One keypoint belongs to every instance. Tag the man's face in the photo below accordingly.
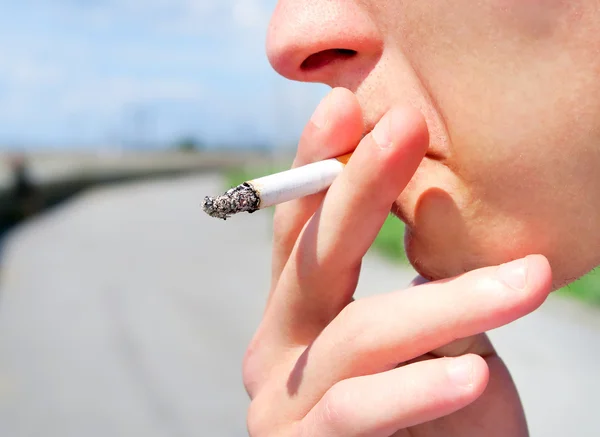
(511, 93)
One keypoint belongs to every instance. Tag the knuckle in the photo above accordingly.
(252, 368)
(263, 421)
(350, 313)
(351, 323)
(281, 220)
(282, 227)
(475, 288)
(256, 423)
(338, 408)
(361, 336)
(488, 284)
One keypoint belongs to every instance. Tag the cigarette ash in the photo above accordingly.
(242, 198)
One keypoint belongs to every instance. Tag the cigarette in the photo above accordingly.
(277, 188)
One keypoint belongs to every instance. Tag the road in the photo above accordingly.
(126, 312)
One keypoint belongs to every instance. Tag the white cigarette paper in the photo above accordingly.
(297, 182)
(277, 188)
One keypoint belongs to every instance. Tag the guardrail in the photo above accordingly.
(30, 183)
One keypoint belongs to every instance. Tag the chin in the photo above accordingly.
(442, 251)
(427, 262)
(448, 234)
(437, 240)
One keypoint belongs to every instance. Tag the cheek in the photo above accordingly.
(534, 19)
(523, 121)
(506, 203)
(522, 202)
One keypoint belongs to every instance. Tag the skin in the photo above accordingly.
(478, 124)
(510, 91)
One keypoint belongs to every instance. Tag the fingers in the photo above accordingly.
(335, 129)
(375, 334)
(321, 274)
(379, 405)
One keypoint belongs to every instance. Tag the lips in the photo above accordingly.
(432, 153)
(431, 165)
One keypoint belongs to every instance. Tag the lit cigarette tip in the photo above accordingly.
(276, 188)
(242, 198)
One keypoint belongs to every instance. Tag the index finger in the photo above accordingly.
(335, 129)
(321, 274)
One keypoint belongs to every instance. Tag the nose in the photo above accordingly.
(318, 40)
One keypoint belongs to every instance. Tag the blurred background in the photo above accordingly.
(126, 311)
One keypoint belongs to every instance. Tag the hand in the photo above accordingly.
(323, 365)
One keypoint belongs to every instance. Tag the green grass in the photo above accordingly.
(586, 289)
(390, 242)
(236, 176)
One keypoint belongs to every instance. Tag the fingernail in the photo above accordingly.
(321, 115)
(381, 133)
(460, 371)
(514, 274)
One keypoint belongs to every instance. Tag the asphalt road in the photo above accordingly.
(126, 312)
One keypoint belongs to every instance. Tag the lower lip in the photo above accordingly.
(432, 158)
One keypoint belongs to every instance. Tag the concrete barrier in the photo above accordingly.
(35, 181)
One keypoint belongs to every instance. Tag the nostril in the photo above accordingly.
(326, 57)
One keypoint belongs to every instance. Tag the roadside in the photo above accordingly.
(126, 311)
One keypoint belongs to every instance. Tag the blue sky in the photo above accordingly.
(114, 73)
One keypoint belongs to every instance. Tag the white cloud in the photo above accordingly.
(109, 95)
(26, 71)
(250, 14)
(193, 17)
(207, 54)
